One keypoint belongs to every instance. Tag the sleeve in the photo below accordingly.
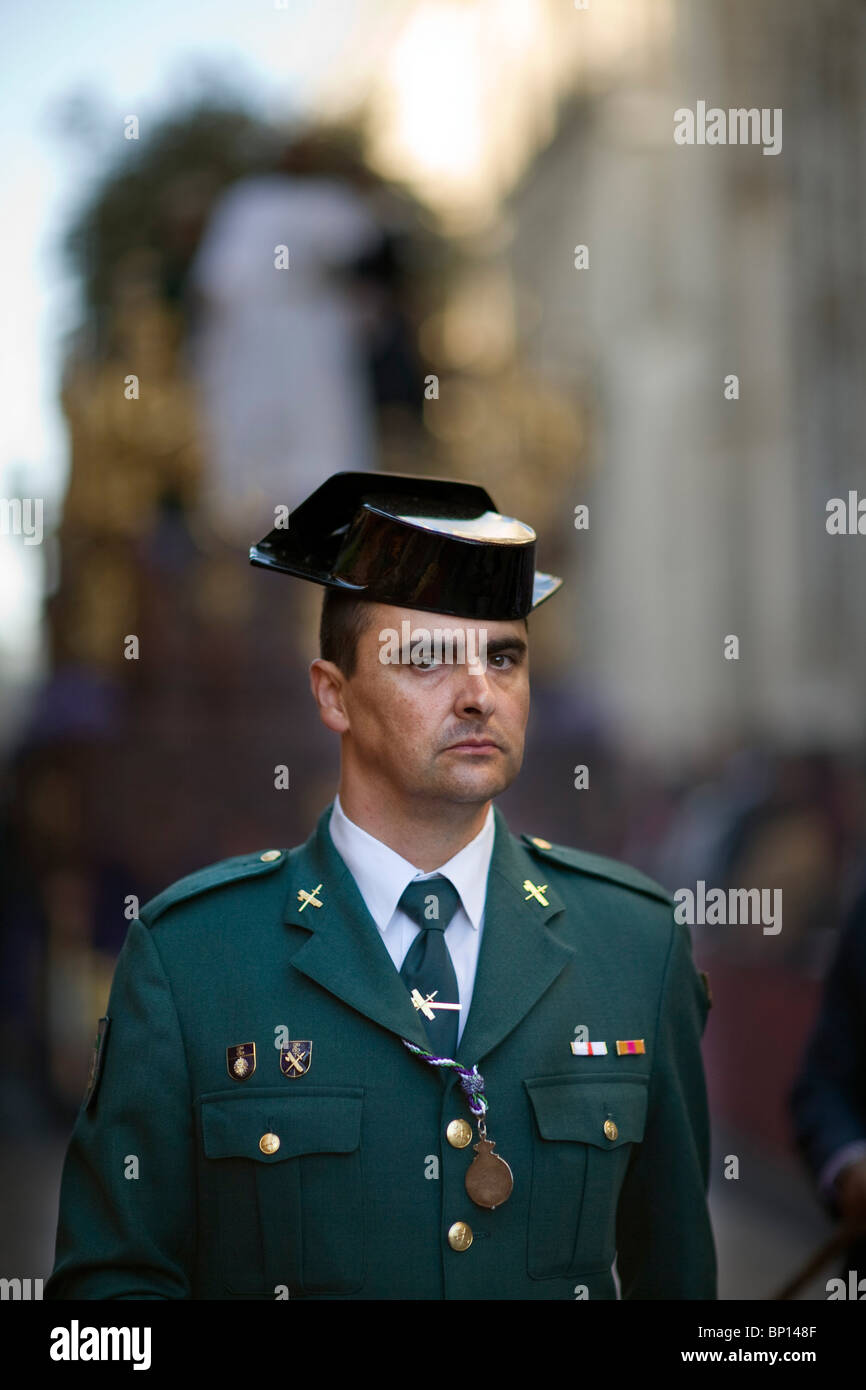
(665, 1246)
(828, 1099)
(126, 1226)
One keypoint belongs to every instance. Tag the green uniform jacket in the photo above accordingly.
(167, 1192)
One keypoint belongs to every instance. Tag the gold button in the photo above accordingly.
(541, 844)
(270, 855)
(610, 1129)
(269, 1143)
(460, 1236)
(459, 1134)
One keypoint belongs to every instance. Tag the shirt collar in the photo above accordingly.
(382, 874)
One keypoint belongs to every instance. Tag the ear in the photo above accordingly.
(327, 683)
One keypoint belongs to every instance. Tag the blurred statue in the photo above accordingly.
(278, 347)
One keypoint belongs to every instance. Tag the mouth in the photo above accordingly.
(474, 745)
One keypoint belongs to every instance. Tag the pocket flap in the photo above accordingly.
(579, 1109)
(318, 1121)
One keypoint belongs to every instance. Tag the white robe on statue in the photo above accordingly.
(277, 354)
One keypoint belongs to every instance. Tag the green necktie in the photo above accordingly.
(432, 902)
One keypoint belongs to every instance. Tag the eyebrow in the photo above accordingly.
(505, 644)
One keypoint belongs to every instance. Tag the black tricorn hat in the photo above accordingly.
(413, 542)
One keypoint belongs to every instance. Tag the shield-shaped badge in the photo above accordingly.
(295, 1059)
(241, 1061)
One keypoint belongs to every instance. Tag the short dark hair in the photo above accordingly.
(345, 618)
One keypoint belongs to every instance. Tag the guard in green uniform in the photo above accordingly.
(415, 1057)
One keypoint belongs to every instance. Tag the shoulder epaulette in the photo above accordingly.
(597, 865)
(213, 876)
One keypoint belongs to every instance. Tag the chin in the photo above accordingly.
(481, 788)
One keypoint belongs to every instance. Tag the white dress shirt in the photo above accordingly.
(382, 875)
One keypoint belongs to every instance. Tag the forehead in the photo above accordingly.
(384, 615)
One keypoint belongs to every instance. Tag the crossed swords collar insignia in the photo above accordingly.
(311, 898)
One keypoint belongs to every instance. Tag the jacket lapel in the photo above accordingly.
(345, 952)
(519, 958)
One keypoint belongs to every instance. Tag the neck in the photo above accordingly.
(422, 830)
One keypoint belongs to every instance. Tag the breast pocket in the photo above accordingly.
(584, 1131)
(282, 1178)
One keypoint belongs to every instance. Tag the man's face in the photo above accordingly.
(449, 730)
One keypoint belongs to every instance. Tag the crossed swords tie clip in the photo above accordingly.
(429, 1003)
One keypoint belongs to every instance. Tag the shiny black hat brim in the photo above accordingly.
(544, 585)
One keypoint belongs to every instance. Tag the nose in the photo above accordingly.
(474, 694)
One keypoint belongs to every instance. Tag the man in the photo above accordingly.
(415, 1057)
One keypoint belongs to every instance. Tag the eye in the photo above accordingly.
(501, 656)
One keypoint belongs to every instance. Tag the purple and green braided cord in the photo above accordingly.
(470, 1078)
